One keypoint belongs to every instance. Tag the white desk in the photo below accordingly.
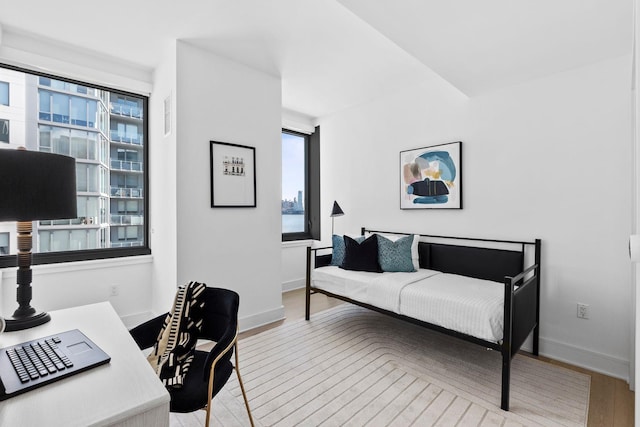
(124, 392)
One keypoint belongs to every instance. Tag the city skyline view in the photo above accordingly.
(295, 206)
(293, 183)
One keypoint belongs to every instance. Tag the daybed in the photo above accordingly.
(480, 290)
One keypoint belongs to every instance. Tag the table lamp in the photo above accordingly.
(336, 211)
(33, 186)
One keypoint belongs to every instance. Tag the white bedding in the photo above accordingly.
(464, 304)
(379, 289)
(472, 306)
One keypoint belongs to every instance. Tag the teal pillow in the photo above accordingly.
(337, 255)
(395, 256)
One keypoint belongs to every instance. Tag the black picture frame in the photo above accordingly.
(431, 177)
(233, 175)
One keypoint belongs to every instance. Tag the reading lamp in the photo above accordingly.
(336, 211)
(33, 186)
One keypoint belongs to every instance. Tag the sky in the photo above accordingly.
(292, 166)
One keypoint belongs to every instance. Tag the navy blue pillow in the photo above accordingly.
(337, 255)
(361, 256)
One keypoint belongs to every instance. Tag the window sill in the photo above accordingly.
(82, 265)
(297, 243)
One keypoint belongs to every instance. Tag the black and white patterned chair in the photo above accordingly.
(209, 371)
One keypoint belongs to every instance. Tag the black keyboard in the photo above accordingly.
(32, 364)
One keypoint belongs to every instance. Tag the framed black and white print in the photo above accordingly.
(233, 175)
(431, 177)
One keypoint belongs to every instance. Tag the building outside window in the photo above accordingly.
(4, 130)
(4, 93)
(77, 120)
(4, 123)
(4, 243)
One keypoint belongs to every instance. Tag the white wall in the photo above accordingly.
(237, 248)
(58, 286)
(294, 253)
(548, 159)
(212, 99)
(360, 155)
(636, 207)
(163, 187)
(563, 145)
(294, 267)
(65, 285)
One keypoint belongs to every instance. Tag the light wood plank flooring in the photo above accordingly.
(611, 403)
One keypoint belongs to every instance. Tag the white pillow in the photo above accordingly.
(415, 257)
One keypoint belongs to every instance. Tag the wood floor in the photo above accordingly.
(611, 403)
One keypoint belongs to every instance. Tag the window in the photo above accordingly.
(294, 172)
(4, 243)
(60, 104)
(300, 185)
(74, 119)
(4, 93)
(45, 105)
(79, 111)
(4, 130)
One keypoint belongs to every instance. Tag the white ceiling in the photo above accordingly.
(332, 54)
(483, 45)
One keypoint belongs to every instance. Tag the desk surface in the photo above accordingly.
(126, 391)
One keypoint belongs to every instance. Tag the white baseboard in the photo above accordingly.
(589, 359)
(261, 319)
(293, 284)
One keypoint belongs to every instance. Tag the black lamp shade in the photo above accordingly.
(336, 211)
(35, 186)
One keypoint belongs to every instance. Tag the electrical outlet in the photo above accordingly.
(583, 311)
(114, 291)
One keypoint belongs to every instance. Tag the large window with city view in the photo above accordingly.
(300, 185)
(293, 182)
(105, 131)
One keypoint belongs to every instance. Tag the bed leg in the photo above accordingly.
(506, 375)
(307, 307)
(307, 304)
(536, 339)
(536, 330)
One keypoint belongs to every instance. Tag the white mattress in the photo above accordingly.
(472, 306)
(379, 289)
(464, 304)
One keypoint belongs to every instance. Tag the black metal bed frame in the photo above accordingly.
(521, 303)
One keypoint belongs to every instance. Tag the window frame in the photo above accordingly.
(311, 187)
(98, 253)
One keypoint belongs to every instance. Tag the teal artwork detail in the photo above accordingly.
(431, 177)
(395, 256)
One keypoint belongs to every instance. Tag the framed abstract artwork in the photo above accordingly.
(431, 177)
(233, 175)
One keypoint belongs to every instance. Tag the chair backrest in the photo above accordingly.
(221, 313)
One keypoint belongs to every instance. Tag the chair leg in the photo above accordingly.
(210, 392)
(246, 402)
